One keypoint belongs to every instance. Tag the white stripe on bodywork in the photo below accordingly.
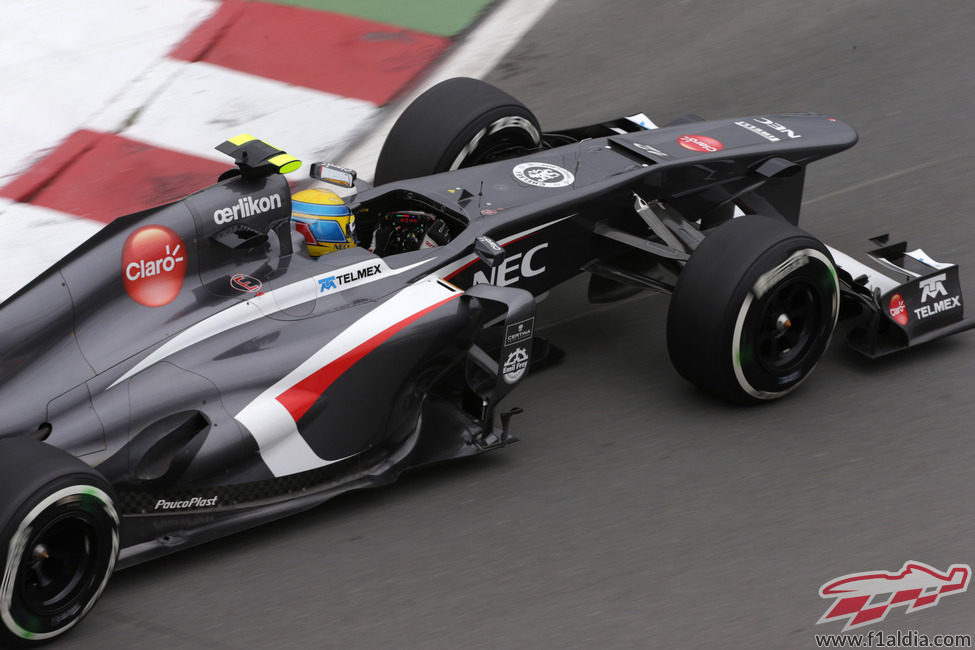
(282, 447)
(272, 302)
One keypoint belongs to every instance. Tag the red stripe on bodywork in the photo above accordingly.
(300, 397)
(343, 55)
(102, 176)
(463, 268)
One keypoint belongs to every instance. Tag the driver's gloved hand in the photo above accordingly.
(438, 234)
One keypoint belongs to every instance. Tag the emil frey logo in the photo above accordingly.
(867, 598)
(153, 265)
(515, 365)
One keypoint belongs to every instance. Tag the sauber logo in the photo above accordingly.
(246, 207)
(932, 287)
(542, 174)
(153, 265)
(700, 143)
(866, 598)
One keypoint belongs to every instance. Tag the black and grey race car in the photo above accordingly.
(191, 371)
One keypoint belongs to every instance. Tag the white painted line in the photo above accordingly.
(476, 56)
(34, 238)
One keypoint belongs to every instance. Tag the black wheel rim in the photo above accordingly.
(788, 326)
(59, 565)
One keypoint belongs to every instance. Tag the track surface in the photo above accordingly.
(635, 512)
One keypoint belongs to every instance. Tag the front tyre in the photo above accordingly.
(59, 540)
(753, 310)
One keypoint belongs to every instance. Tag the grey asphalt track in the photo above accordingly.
(635, 512)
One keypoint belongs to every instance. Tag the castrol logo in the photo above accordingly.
(153, 265)
(701, 143)
(898, 310)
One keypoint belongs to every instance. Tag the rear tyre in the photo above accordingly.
(59, 539)
(458, 123)
(753, 310)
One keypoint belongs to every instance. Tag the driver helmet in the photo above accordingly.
(324, 220)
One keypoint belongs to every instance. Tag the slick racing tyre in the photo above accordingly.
(753, 310)
(458, 123)
(59, 539)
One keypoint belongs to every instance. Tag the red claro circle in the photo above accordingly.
(701, 143)
(898, 309)
(153, 265)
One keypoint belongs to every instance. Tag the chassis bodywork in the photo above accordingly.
(218, 378)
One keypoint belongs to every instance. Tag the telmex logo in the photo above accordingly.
(338, 280)
(932, 287)
(153, 265)
(246, 207)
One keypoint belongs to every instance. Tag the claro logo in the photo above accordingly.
(246, 207)
(701, 143)
(153, 265)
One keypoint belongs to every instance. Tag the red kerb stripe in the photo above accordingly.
(343, 55)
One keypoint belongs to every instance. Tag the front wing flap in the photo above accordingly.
(913, 300)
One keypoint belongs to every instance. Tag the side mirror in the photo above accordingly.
(330, 173)
(490, 251)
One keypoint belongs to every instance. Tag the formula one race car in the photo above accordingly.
(192, 370)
